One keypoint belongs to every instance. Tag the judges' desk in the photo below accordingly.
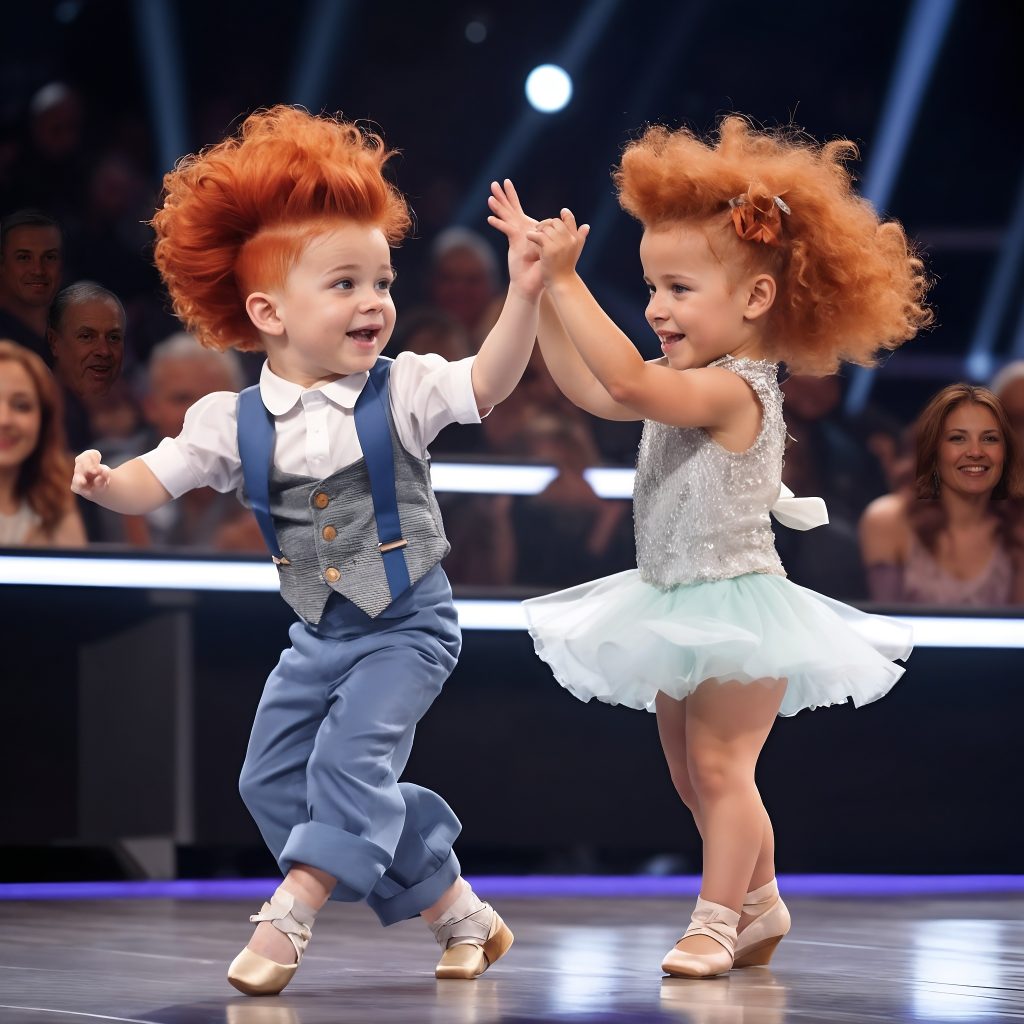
(129, 685)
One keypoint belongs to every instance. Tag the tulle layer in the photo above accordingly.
(621, 640)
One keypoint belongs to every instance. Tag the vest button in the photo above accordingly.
(321, 500)
(332, 575)
(329, 533)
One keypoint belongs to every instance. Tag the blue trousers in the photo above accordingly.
(331, 738)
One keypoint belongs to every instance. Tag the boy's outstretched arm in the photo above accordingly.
(564, 363)
(131, 489)
(503, 356)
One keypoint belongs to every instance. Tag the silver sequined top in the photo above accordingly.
(700, 511)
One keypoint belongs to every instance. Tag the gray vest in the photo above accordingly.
(327, 531)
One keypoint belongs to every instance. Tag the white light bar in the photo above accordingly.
(934, 631)
(487, 478)
(494, 478)
(181, 574)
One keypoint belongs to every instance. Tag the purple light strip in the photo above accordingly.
(537, 887)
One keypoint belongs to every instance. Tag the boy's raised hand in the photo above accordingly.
(560, 242)
(523, 256)
(90, 475)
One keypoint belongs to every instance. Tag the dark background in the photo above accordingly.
(457, 111)
(923, 781)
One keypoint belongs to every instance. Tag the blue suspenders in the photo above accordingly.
(256, 448)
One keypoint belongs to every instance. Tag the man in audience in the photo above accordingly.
(31, 254)
(180, 372)
(86, 329)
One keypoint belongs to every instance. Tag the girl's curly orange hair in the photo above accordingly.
(848, 283)
(236, 216)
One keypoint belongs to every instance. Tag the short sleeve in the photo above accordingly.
(205, 453)
(427, 394)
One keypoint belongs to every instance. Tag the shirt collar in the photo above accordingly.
(280, 395)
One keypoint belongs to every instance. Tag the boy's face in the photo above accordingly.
(335, 306)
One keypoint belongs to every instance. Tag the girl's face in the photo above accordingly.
(21, 415)
(971, 450)
(694, 309)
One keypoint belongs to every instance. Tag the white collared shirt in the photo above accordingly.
(315, 427)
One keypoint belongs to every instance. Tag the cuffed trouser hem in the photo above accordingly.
(356, 863)
(410, 902)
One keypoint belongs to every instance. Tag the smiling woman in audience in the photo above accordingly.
(37, 507)
(956, 536)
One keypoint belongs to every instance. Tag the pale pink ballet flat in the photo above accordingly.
(757, 943)
(716, 922)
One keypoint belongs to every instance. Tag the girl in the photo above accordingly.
(280, 240)
(755, 250)
(955, 540)
(36, 509)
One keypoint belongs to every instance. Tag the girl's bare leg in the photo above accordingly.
(672, 729)
(721, 728)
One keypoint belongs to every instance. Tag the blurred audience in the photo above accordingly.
(50, 167)
(86, 337)
(36, 505)
(954, 537)
(825, 458)
(567, 534)
(31, 255)
(464, 281)
(180, 372)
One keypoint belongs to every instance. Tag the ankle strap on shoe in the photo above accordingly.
(714, 921)
(290, 916)
(475, 928)
(767, 893)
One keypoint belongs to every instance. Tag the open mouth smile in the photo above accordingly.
(365, 335)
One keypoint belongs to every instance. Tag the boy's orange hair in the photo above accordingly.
(235, 217)
(849, 284)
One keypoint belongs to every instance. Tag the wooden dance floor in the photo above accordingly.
(575, 960)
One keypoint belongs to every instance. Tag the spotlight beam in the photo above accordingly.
(923, 37)
(503, 161)
(156, 30)
(666, 60)
(995, 305)
(318, 51)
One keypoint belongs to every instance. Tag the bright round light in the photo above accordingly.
(476, 32)
(548, 88)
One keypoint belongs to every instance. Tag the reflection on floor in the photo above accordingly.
(846, 960)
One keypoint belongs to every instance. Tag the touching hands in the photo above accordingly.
(523, 256)
(560, 242)
(90, 476)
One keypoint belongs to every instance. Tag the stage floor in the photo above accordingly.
(851, 960)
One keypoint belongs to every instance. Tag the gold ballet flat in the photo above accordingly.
(257, 975)
(468, 960)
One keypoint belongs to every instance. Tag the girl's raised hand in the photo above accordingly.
(90, 475)
(523, 256)
(560, 242)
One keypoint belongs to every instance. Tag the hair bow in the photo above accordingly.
(758, 218)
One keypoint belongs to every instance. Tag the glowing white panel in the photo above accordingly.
(138, 573)
(935, 631)
(548, 88)
(261, 576)
(488, 478)
(485, 478)
(610, 482)
(498, 615)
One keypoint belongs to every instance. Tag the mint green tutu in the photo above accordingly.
(621, 641)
